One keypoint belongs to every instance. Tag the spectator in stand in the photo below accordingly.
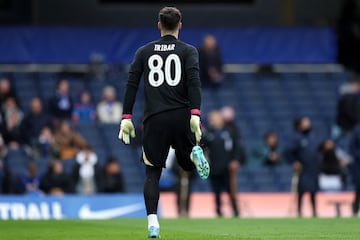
(44, 148)
(55, 181)
(85, 172)
(68, 141)
(34, 121)
(7, 91)
(333, 167)
(221, 151)
(29, 183)
(348, 34)
(109, 110)
(210, 62)
(355, 153)
(84, 111)
(2, 173)
(302, 153)
(267, 151)
(61, 104)
(111, 180)
(228, 114)
(13, 117)
(2, 170)
(348, 107)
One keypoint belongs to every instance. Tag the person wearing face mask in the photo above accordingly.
(302, 153)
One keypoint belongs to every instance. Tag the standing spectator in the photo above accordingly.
(228, 114)
(210, 61)
(109, 110)
(183, 190)
(84, 111)
(348, 107)
(7, 91)
(34, 121)
(111, 180)
(68, 141)
(267, 151)
(348, 35)
(85, 173)
(221, 148)
(61, 104)
(302, 153)
(13, 117)
(355, 152)
(55, 181)
(29, 183)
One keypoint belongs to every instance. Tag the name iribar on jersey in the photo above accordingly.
(164, 47)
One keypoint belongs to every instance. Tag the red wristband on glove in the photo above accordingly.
(195, 111)
(126, 116)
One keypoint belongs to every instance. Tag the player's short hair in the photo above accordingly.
(169, 17)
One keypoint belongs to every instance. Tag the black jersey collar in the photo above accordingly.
(168, 37)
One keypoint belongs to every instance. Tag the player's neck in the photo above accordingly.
(175, 34)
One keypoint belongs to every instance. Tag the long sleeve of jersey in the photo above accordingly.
(193, 78)
(135, 72)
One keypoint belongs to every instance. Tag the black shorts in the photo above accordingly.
(170, 128)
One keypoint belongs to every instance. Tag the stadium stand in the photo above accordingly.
(262, 101)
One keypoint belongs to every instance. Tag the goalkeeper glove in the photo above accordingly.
(195, 124)
(127, 129)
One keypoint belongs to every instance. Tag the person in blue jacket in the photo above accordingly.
(354, 150)
(302, 152)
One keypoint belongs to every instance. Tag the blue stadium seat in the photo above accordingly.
(16, 161)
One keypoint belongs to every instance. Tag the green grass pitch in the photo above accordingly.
(183, 229)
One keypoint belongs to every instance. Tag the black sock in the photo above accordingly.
(151, 189)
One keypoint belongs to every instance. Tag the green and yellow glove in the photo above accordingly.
(127, 129)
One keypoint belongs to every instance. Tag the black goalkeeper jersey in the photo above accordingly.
(171, 74)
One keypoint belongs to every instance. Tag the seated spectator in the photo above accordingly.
(210, 62)
(44, 149)
(109, 110)
(3, 147)
(61, 104)
(34, 121)
(7, 91)
(2, 173)
(29, 183)
(333, 167)
(330, 163)
(84, 111)
(2, 169)
(267, 151)
(12, 119)
(44, 146)
(85, 172)
(112, 178)
(68, 141)
(55, 181)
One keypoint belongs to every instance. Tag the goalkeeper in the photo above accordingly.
(172, 107)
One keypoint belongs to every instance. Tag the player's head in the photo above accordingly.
(169, 19)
